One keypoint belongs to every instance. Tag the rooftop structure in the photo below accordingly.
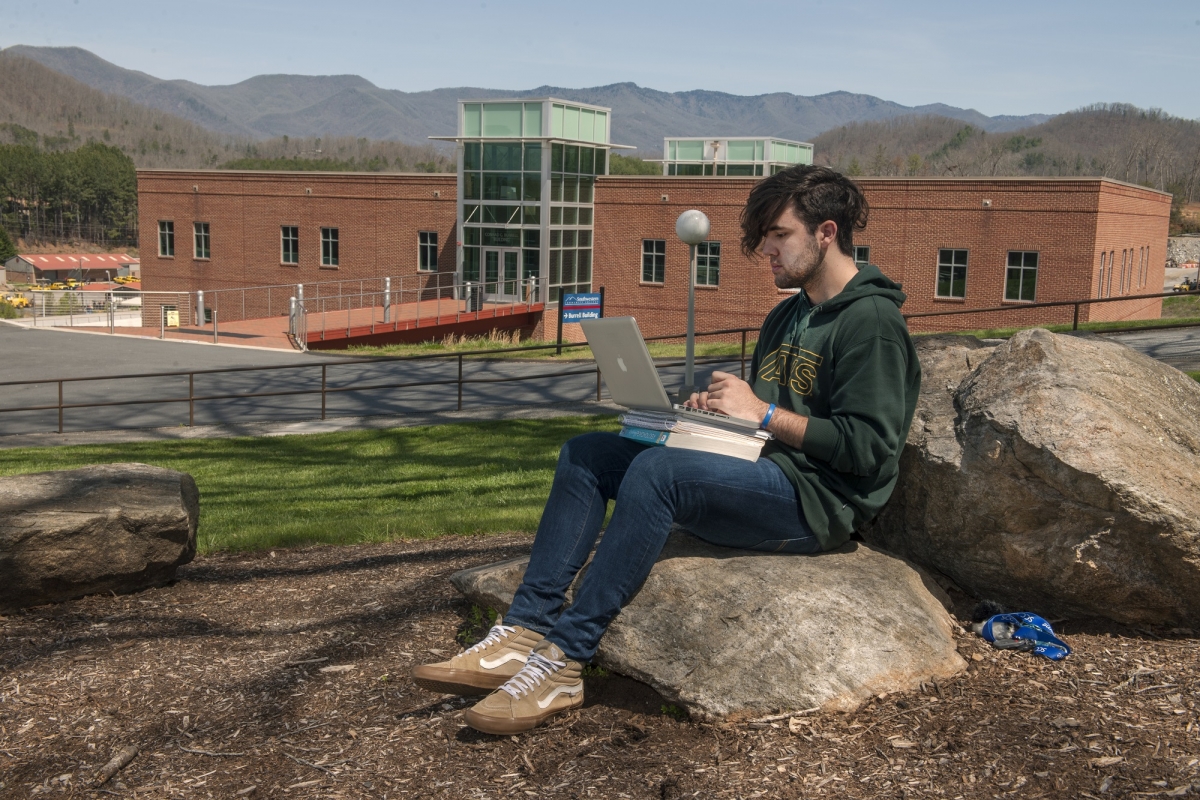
(526, 178)
(732, 155)
(34, 267)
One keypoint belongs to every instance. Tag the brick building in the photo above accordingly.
(953, 243)
(209, 229)
(948, 241)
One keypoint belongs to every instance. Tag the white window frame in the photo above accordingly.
(427, 245)
(283, 240)
(953, 267)
(658, 261)
(709, 257)
(166, 238)
(330, 247)
(201, 241)
(1035, 269)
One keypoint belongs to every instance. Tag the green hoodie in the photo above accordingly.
(848, 365)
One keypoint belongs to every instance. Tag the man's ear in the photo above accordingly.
(826, 233)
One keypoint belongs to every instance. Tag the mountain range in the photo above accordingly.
(268, 106)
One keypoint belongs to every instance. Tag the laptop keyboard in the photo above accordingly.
(723, 417)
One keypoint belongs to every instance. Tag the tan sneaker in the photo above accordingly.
(548, 684)
(483, 667)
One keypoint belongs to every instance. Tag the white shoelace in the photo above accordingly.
(537, 669)
(497, 634)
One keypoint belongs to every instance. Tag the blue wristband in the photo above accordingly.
(767, 419)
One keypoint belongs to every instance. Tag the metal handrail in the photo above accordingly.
(1016, 305)
(459, 381)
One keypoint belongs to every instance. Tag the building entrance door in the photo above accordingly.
(500, 275)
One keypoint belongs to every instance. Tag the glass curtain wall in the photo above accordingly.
(527, 176)
(732, 157)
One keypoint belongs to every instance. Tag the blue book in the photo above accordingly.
(645, 435)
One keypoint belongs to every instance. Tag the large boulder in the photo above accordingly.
(108, 528)
(726, 632)
(1054, 473)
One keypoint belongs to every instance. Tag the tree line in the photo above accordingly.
(85, 194)
(1120, 141)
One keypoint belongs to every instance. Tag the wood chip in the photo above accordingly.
(119, 761)
(338, 668)
(304, 784)
(1105, 761)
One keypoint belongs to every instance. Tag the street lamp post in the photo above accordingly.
(692, 227)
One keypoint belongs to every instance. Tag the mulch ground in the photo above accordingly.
(284, 675)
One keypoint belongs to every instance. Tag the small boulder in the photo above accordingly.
(1052, 473)
(735, 633)
(106, 528)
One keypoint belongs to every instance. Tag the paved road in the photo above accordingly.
(49, 355)
(1179, 347)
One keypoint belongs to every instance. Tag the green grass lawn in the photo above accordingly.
(1181, 314)
(451, 345)
(359, 486)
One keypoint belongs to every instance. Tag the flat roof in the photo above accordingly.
(539, 100)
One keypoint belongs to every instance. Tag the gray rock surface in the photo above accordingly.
(1181, 250)
(107, 528)
(731, 633)
(1056, 474)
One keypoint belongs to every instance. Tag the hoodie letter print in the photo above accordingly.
(803, 368)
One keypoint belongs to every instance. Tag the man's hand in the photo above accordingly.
(728, 394)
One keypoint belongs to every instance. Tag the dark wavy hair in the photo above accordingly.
(816, 194)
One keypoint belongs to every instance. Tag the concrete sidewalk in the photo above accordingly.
(292, 428)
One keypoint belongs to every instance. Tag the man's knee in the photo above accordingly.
(586, 448)
(661, 468)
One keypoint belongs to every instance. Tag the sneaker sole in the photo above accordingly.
(457, 681)
(503, 727)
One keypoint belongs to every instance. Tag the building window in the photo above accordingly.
(1100, 285)
(708, 263)
(289, 239)
(166, 238)
(1021, 280)
(654, 260)
(952, 273)
(329, 247)
(427, 251)
(202, 243)
(862, 256)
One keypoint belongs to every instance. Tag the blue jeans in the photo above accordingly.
(724, 500)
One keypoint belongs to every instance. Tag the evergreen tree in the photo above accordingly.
(7, 248)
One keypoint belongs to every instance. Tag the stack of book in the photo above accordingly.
(664, 429)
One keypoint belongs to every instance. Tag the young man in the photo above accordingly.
(835, 378)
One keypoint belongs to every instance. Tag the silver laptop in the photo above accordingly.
(632, 378)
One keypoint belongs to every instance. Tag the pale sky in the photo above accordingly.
(1017, 57)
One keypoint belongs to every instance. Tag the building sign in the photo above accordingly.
(576, 307)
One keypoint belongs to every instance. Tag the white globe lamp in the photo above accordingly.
(692, 227)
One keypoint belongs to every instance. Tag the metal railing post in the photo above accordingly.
(1075, 321)
(200, 307)
(460, 382)
(742, 373)
(215, 340)
(112, 313)
(191, 400)
(324, 367)
(292, 316)
(162, 322)
(60, 407)
(387, 300)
